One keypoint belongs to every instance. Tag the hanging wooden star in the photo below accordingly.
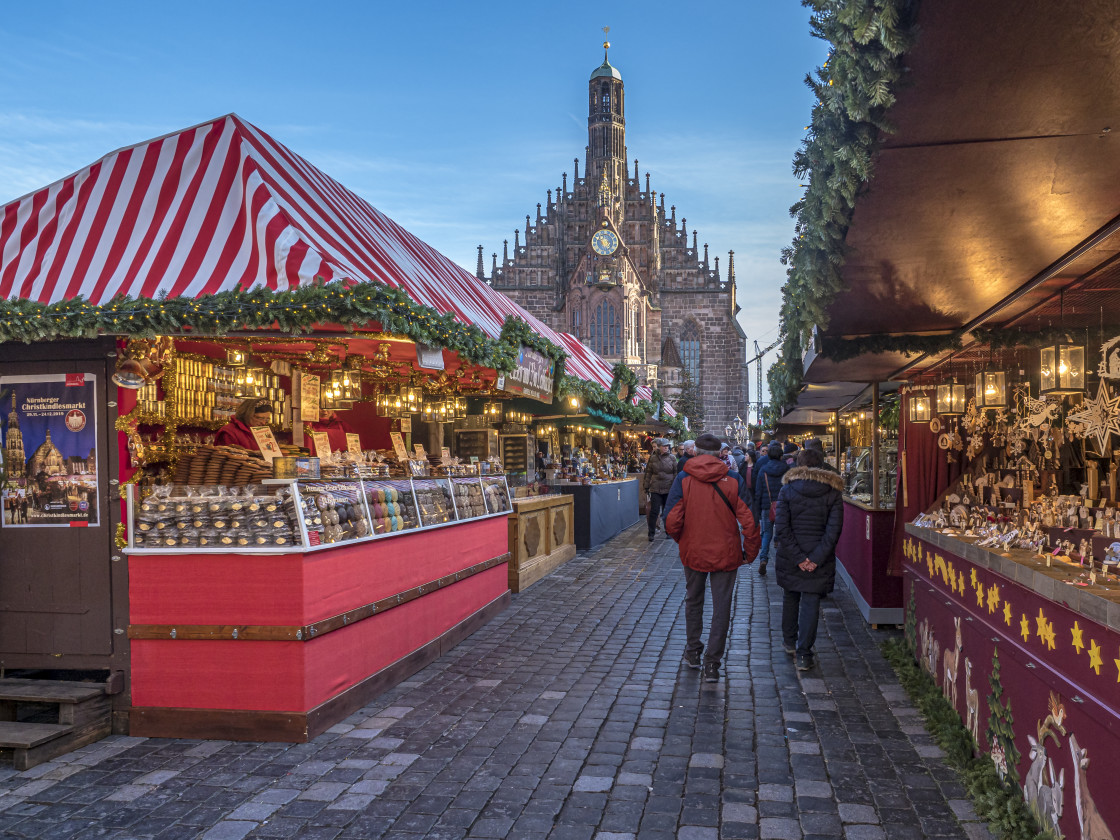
(1099, 417)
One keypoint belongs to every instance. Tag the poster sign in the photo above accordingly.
(406, 425)
(429, 357)
(445, 453)
(322, 443)
(50, 450)
(421, 455)
(533, 376)
(398, 446)
(353, 443)
(309, 398)
(266, 442)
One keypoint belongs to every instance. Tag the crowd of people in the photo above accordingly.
(729, 505)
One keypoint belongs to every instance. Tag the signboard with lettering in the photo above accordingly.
(309, 398)
(398, 446)
(429, 357)
(266, 442)
(353, 443)
(322, 443)
(50, 442)
(533, 376)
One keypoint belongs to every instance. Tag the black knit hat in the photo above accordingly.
(789, 448)
(708, 443)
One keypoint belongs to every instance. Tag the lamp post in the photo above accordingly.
(736, 430)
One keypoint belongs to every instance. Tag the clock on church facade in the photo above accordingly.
(606, 262)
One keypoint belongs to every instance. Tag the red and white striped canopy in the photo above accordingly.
(223, 206)
(645, 392)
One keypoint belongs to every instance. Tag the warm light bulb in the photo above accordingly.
(1062, 369)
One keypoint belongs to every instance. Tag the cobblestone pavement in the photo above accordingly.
(568, 717)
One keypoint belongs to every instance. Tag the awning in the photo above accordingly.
(223, 206)
(645, 392)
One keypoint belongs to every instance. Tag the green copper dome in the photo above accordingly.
(606, 71)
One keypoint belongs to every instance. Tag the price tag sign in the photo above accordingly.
(421, 455)
(309, 397)
(266, 442)
(406, 425)
(445, 452)
(322, 443)
(353, 443)
(398, 446)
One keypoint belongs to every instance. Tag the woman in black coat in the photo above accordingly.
(807, 527)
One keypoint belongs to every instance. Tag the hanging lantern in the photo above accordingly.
(428, 411)
(1062, 369)
(952, 399)
(919, 409)
(493, 411)
(234, 357)
(991, 389)
(412, 397)
(461, 406)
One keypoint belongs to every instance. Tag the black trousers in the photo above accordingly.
(800, 614)
(656, 505)
(723, 585)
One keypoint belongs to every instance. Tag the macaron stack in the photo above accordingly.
(392, 509)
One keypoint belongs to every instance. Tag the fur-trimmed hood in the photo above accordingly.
(817, 474)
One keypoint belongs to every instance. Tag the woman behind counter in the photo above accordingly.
(237, 432)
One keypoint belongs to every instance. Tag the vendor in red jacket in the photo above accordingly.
(336, 429)
(238, 431)
(717, 534)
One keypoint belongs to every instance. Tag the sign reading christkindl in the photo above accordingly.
(50, 450)
(532, 377)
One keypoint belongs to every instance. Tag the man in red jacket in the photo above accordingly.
(717, 534)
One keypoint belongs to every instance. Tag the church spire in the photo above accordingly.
(480, 271)
(606, 128)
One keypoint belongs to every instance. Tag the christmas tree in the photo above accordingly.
(1001, 731)
(689, 403)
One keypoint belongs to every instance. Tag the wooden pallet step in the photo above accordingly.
(24, 736)
(48, 691)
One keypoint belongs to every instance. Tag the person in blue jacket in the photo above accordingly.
(768, 474)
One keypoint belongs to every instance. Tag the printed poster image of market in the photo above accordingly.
(50, 451)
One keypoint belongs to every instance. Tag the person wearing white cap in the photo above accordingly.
(688, 449)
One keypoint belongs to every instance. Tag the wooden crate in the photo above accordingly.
(541, 537)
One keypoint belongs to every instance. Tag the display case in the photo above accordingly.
(496, 493)
(856, 466)
(519, 457)
(281, 516)
(476, 443)
(469, 501)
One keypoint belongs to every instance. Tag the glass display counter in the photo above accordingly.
(297, 515)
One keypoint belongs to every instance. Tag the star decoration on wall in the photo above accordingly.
(961, 584)
(1025, 627)
(993, 597)
(1007, 621)
(975, 579)
(1117, 661)
(980, 595)
(1099, 417)
(1095, 661)
(1048, 635)
(929, 563)
(1078, 642)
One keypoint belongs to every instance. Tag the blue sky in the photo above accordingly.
(453, 118)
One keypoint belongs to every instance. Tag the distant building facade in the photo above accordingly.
(604, 261)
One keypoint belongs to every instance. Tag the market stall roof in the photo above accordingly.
(1000, 187)
(222, 206)
(645, 392)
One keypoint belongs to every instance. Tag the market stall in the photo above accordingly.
(329, 534)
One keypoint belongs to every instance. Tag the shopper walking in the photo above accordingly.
(688, 449)
(659, 474)
(717, 534)
(768, 474)
(810, 516)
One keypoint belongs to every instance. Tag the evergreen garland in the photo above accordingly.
(854, 90)
(594, 395)
(999, 803)
(621, 374)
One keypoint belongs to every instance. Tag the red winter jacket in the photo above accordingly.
(708, 534)
(236, 433)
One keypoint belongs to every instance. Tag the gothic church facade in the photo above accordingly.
(604, 261)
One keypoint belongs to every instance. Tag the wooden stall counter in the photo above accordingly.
(1028, 656)
(541, 538)
(863, 555)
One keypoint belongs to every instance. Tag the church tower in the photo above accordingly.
(14, 456)
(605, 260)
(605, 165)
